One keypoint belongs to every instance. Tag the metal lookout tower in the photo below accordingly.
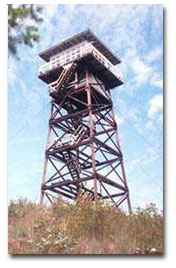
(83, 153)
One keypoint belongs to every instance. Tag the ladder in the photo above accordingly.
(64, 78)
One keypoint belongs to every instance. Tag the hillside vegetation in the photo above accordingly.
(82, 228)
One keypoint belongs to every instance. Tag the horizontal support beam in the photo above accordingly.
(102, 163)
(68, 116)
(90, 191)
(62, 193)
(68, 147)
(70, 190)
(104, 132)
(112, 183)
(68, 182)
(82, 112)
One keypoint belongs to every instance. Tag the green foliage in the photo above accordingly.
(84, 227)
(23, 26)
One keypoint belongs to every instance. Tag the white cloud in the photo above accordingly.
(144, 71)
(133, 165)
(12, 71)
(47, 28)
(49, 11)
(133, 114)
(141, 70)
(157, 18)
(156, 80)
(154, 54)
(160, 120)
(119, 120)
(156, 104)
(149, 125)
(152, 154)
(154, 125)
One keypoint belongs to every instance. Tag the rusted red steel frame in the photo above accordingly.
(111, 140)
(105, 131)
(96, 150)
(113, 169)
(118, 147)
(65, 122)
(58, 171)
(108, 194)
(88, 88)
(122, 165)
(114, 124)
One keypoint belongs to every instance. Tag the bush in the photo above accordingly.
(84, 227)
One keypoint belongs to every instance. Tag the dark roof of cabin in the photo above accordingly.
(86, 35)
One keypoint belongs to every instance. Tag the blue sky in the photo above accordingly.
(135, 33)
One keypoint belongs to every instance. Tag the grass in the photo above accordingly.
(82, 228)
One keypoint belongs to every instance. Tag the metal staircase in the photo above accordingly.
(63, 79)
(78, 135)
(80, 131)
(65, 150)
(74, 138)
(72, 164)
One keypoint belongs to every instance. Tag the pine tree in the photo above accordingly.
(23, 23)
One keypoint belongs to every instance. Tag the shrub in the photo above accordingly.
(83, 227)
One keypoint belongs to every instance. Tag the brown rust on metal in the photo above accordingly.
(83, 148)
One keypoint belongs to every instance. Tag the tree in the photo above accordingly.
(23, 26)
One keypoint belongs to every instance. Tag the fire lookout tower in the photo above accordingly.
(83, 153)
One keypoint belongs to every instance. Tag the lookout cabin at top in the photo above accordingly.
(87, 51)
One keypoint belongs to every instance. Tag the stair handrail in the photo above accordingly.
(67, 68)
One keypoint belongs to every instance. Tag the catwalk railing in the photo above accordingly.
(77, 53)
